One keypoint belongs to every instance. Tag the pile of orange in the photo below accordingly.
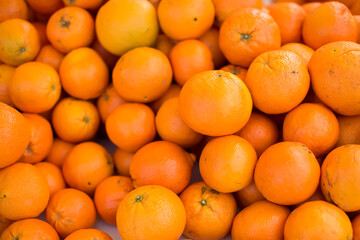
(204, 119)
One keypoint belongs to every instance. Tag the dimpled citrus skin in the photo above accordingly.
(14, 135)
(88, 234)
(215, 103)
(151, 212)
(340, 181)
(334, 77)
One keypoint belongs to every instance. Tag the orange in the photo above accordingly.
(30, 229)
(84, 74)
(131, 30)
(278, 81)
(41, 139)
(41, 29)
(334, 78)
(224, 7)
(211, 39)
(356, 227)
(330, 22)
(318, 220)
(164, 44)
(349, 130)
(24, 192)
(236, 70)
(318, 195)
(13, 9)
(75, 120)
(58, 152)
(339, 177)
(108, 195)
(151, 212)
(122, 160)
(48, 54)
(45, 7)
(185, 19)
(130, 126)
(290, 17)
(162, 163)
(87, 4)
(108, 101)
(14, 135)
(142, 75)
(35, 87)
(300, 49)
(86, 165)
(70, 28)
(109, 58)
(172, 128)
(19, 41)
(287, 186)
(62, 214)
(314, 125)
(4, 223)
(215, 103)
(246, 33)
(227, 163)
(188, 58)
(357, 20)
(260, 220)
(248, 195)
(6, 73)
(310, 6)
(353, 5)
(172, 92)
(209, 214)
(53, 175)
(88, 234)
(260, 131)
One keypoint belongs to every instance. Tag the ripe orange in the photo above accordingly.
(300, 49)
(108, 195)
(356, 227)
(261, 220)
(215, 103)
(130, 126)
(260, 131)
(6, 73)
(87, 4)
(172, 92)
(334, 78)
(339, 177)
(278, 81)
(330, 22)
(86, 165)
(151, 212)
(88, 234)
(236, 70)
(227, 163)
(41, 139)
(357, 20)
(318, 220)
(287, 187)
(14, 135)
(41, 30)
(84, 74)
(58, 152)
(349, 130)
(45, 7)
(62, 214)
(35, 87)
(108, 101)
(246, 33)
(310, 6)
(53, 175)
(122, 160)
(13, 9)
(172, 128)
(209, 214)
(248, 195)
(120, 29)
(24, 191)
(48, 54)
(186, 19)
(19, 41)
(162, 163)
(70, 28)
(109, 58)
(211, 39)
(4, 223)
(30, 229)
(142, 75)
(75, 120)
(164, 44)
